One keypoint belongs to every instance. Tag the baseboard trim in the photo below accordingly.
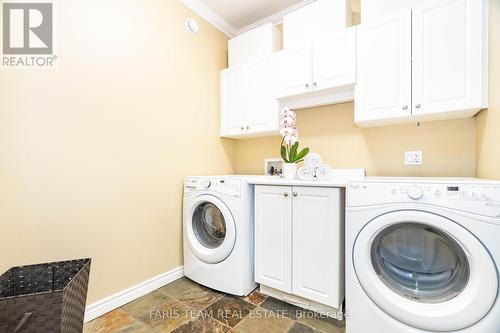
(128, 295)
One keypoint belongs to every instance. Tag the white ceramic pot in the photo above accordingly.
(289, 170)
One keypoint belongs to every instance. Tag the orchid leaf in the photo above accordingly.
(302, 154)
(293, 152)
(283, 154)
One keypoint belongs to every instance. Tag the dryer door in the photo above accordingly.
(425, 270)
(210, 229)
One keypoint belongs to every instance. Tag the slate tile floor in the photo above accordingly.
(185, 306)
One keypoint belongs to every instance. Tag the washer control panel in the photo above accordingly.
(480, 198)
(226, 186)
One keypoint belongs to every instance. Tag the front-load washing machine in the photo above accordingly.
(218, 233)
(422, 256)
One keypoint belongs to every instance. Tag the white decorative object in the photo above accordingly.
(289, 170)
(312, 160)
(306, 173)
(313, 169)
(323, 172)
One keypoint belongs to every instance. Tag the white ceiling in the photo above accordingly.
(237, 16)
(241, 13)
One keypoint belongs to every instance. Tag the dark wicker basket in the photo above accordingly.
(44, 298)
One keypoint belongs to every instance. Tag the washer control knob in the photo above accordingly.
(415, 192)
(207, 184)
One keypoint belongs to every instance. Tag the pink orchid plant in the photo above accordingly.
(290, 141)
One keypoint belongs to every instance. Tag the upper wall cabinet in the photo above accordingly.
(449, 57)
(383, 89)
(320, 73)
(294, 72)
(319, 18)
(254, 45)
(373, 11)
(334, 60)
(248, 104)
(429, 63)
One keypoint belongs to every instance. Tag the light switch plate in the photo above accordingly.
(413, 158)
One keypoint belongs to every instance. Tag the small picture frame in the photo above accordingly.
(273, 167)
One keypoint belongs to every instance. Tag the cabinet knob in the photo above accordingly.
(248, 127)
(285, 194)
(418, 106)
(307, 85)
(242, 128)
(405, 107)
(295, 194)
(315, 84)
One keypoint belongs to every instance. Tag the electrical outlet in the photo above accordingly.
(413, 158)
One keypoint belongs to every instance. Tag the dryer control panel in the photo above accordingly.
(476, 198)
(225, 186)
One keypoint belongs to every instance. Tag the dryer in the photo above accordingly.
(218, 233)
(422, 255)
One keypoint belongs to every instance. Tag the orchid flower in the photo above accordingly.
(290, 135)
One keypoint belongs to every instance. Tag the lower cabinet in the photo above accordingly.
(273, 237)
(299, 244)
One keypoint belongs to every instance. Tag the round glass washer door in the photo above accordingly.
(425, 270)
(210, 229)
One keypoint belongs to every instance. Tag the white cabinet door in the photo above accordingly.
(374, 11)
(383, 87)
(302, 26)
(294, 71)
(273, 237)
(262, 114)
(448, 56)
(318, 245)
(232, 102)
(334, 60)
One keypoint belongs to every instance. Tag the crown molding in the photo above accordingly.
(210, 16)
(276, 18)
(220, 23)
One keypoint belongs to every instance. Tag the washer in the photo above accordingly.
(422, 255)
(218, 233)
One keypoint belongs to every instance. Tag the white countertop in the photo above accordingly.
(342, 181)
(339, 178)
(277, 181)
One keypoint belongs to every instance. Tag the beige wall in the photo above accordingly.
(448, 147)
(93, 152)
(488, 121)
